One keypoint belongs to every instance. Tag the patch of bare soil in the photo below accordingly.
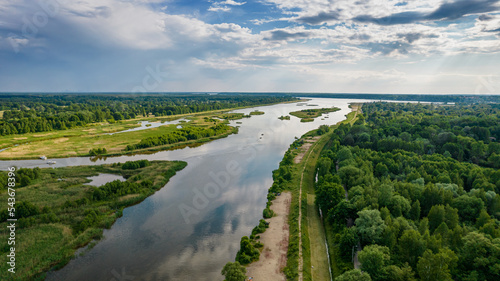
(304, 148)
(275, 239)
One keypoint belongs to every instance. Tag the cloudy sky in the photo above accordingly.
(335, 46)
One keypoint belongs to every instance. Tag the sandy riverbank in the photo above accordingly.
(275, 239)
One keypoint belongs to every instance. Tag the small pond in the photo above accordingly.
(102, 179)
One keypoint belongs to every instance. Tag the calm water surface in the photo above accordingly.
(102, 179)
(191, 227)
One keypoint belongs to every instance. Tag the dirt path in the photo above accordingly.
(301, 260)
(275, 239)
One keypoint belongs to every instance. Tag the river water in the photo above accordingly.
(191, 227)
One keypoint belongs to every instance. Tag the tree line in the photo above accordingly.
(181, 135)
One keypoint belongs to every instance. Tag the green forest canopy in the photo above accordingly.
(423, 192)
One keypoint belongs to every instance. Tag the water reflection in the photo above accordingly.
(102, 179)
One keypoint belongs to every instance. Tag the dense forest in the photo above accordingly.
(422, 184)
(182, 135)
(40, 113)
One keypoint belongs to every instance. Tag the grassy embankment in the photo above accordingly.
(64, 214)
(79, 141)
(308, 115)
(315, 260)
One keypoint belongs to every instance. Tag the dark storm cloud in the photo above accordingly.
(360, 37)
(485, 17)
(388, 47)
(447, 11)
(414, 36)
(399, 18)
(284, 35)
(319, 18)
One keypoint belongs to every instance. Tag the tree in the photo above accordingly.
(451, 216)
(483, 218)
(403, 273)
(411, 245)
(348, 240)
(381, 170)
(433, 267)
(329, 195)
(480, 254)
(349, 175)
(373, 259)
(324, 165)
(370, 225)
(233, 271)
(399, 206)
(323, 129)
(247, 252)
(354, 275)
(385, 195)
(343, 154)
(436, 216)
(342, 212)
(415, 211)
(469, 207)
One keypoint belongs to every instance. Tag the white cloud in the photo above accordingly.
(198, 45)
(232, 2)
(219, 9)
(222, 6)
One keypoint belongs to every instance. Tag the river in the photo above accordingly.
(191, 227)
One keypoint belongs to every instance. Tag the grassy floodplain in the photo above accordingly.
(65, 214)
(78, 141)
